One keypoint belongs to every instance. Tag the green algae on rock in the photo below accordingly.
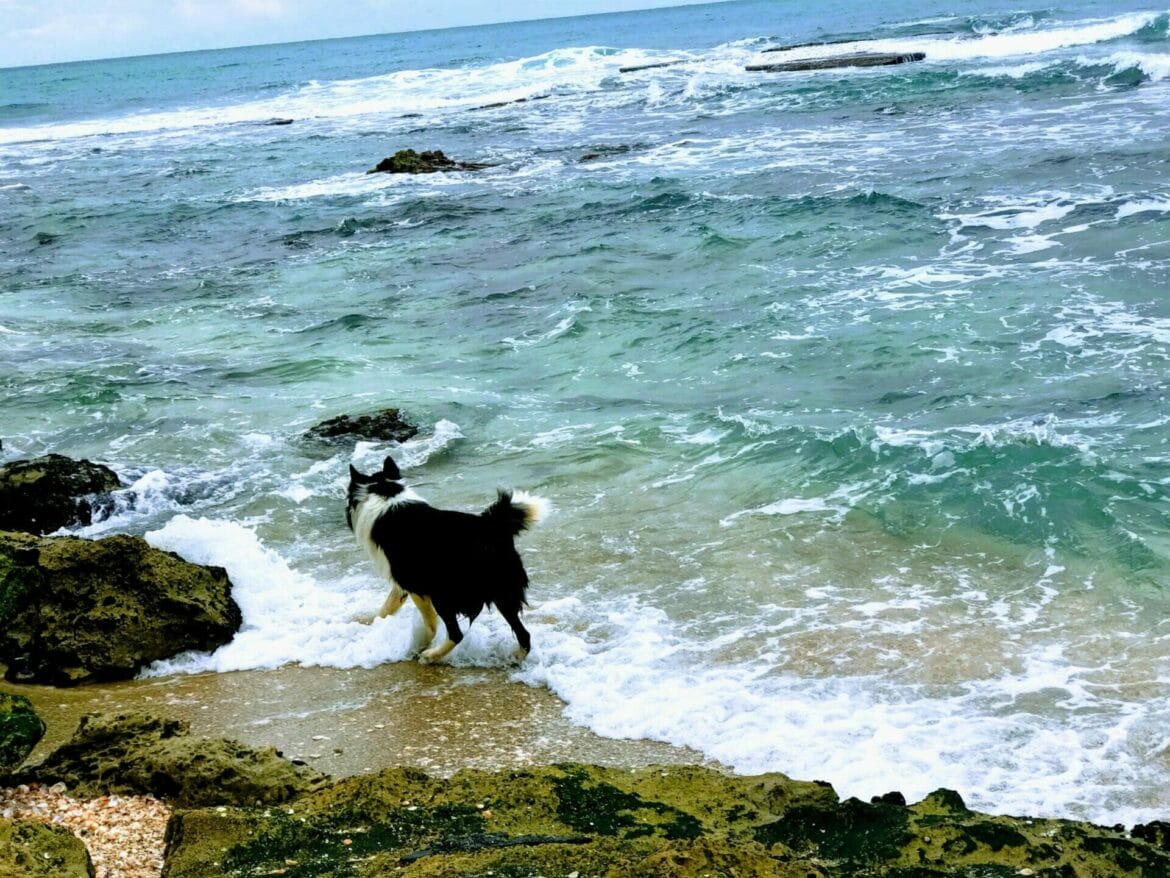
(661, 822)
(20, 730)
(30, 849)
(138, 753)
(75, 611)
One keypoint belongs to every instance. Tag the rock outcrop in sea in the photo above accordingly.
(384, 425)
(407, 161)
(75, 611)
(47, 493)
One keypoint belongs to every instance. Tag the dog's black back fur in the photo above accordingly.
(458, 560)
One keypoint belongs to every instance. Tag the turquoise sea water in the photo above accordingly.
(849, 387)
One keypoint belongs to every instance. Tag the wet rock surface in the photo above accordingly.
(75, 611)
(47, 493)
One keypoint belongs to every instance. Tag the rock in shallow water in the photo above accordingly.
(77, 611)
(47, 493)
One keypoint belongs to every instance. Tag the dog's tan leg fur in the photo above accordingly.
(394, 602)
(436, 653)
(427, 610)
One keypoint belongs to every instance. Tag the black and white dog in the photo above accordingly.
(449, 563)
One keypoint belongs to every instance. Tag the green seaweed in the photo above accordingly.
(603, 809)
(854, 832)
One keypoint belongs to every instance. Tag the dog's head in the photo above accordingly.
(386, 483)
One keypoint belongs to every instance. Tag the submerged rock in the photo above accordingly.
(51, 492)
(20, 730)
(387, 425)
(138, 754)
(407, 161)
(76, 611)
(31, 849)
(661, 822)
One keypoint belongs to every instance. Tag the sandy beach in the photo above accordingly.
(345, 722)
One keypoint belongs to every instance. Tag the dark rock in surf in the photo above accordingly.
(138, 754)
(78, 611)
(387, 425)
(864, 59)
(407, 161)
(47, 493)
(20, 730)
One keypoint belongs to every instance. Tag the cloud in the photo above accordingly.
(220, 14)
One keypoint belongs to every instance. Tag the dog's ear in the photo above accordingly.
(390, 470)
(355, 476)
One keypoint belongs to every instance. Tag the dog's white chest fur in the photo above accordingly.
(366, 514)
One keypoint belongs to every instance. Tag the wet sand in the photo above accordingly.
(345, 722)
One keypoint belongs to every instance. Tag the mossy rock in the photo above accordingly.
(77, 611)
(29, 849)
(20, 730)
(47, 493)
(137, 754)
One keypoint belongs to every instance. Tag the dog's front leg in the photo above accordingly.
(430, 620)
(393, 602)
(454, 635)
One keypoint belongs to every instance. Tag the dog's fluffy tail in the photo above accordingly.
(516, 511)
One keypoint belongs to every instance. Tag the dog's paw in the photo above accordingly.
(518, 655)
(365, 618)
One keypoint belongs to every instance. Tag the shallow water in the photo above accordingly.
(848, 387)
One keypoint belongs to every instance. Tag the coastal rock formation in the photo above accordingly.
(75, 611)
(407, 161)
(386, 425)
(661, 822)
(861, 59)
(50, 492)
(29, 849)
(20, 730)
(136, 753)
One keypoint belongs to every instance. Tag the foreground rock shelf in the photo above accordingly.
(243, 812)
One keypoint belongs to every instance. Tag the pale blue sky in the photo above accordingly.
(45, 31)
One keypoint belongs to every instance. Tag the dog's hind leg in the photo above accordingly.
(454, 635)
(512, 616)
